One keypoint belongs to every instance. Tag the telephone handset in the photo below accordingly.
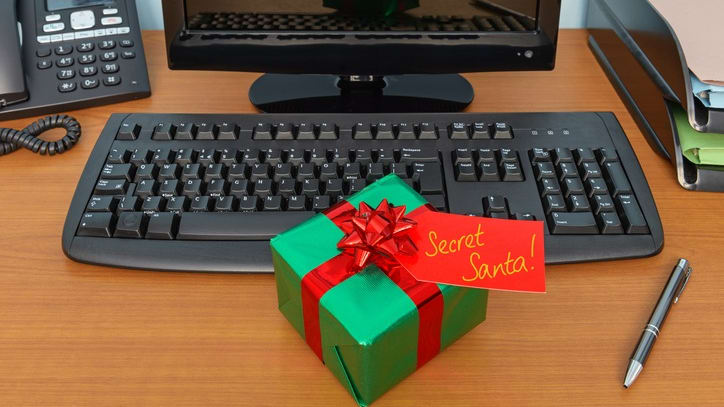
(12, 80)
(70, 54)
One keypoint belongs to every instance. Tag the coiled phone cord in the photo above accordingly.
(11, 139)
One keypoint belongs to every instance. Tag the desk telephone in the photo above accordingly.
(59, 55)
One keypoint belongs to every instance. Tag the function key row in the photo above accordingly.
(317, 131)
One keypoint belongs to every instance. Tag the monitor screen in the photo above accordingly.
(362, 15)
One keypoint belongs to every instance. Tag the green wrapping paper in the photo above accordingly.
(372, 7)
(369, 326)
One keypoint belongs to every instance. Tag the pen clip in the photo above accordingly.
(683, 284)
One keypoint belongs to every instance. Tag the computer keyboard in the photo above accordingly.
(341, 22)
(206, 192)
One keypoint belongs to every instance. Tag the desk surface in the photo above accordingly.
(74, 334)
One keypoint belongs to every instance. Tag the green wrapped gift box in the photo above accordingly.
(368, 331)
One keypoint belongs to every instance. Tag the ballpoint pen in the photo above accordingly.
(674, 287)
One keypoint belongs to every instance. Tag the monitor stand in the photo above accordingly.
(280, 93)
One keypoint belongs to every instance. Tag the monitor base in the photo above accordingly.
(281, 93)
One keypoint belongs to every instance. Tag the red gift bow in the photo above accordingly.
(381, 231)
(374, 236)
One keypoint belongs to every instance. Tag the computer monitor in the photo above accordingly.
(361, 55)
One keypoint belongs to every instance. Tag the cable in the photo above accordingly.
(11, 139)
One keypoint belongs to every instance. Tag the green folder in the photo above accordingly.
(699, 148)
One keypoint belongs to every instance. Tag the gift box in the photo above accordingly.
(372, 7)
(374, 326)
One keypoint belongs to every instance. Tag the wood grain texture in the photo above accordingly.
(74, 334)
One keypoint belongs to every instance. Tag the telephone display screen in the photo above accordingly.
(54, 5)
(362, 15)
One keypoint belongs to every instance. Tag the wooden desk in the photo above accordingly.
(73, 334)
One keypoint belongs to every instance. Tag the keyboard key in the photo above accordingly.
(239, 188)
(406, 131)
(523, 216)
(356, 185)
(375, 171)
(272, 203)
(606, 155)
(334, 187)
(429, 177)
(110, 187)
(207, 131)
(495, 203)
(297, 203)
(539, 155)
(146, 188)
(480, 131)
(363, 157)
(128, 131)
(554, 203)
(177, 204)
(583, 155)
(129, 204)
(428, 131)
(572, 223)
(384, 132)
(458, 131)
(631, 215)
(411, 155)
(544, 170)
(603, 203)
(201, 204)
(216, 187)
(596, 186)
(512, 172)
(116, 156)
(162, 226)
(550, 186)
(169, 188)
(102, 204)
(285, 131)
(462, 155)
(186, 131)
(97, 224)
(489, 172)
(191, 171)
(153, 204)
(502, 131)
(465, 172)
(362, 131)
(328, 131)
(234, 226)
(262, 131)
(131, 225)
(579, 203)
(192, 188)
(306, 131)
(260, 171)
(609, 223)
(224, 204)
(169, 171)
(263, 188)
(567, 170)
(117, 171)
(486, 155)
(617, 180)
(590, 170)
(562, 155)
(310, 187)
(228, 131)
(572, 186)
(145, 172)
(321, 203)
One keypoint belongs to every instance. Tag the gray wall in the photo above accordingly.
(573, 14)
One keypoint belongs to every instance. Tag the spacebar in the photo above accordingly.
(237, 225)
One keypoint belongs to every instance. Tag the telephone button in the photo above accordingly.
(112, 80)
(65, 74)
(109, 56)
(81, 35)
(65, 87)
(43, 39)
(88, 71)
(53, 27)
(86, 59)
(64, 62)
(110, 11)
(63, 49)
(82, 20)
(126, 43)
(110, 68)
(111, 20)
(52, 17)
(43, 52)
(128, 54)
(86, 47)
(44, 64)
(89, 83)
(107, 44)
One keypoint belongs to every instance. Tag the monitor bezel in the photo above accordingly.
(331, 53)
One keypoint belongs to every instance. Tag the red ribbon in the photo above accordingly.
(374, 236)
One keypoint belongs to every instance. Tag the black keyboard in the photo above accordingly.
(342, 22)
(207, 192)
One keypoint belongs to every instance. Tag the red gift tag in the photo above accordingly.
(477, 252)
